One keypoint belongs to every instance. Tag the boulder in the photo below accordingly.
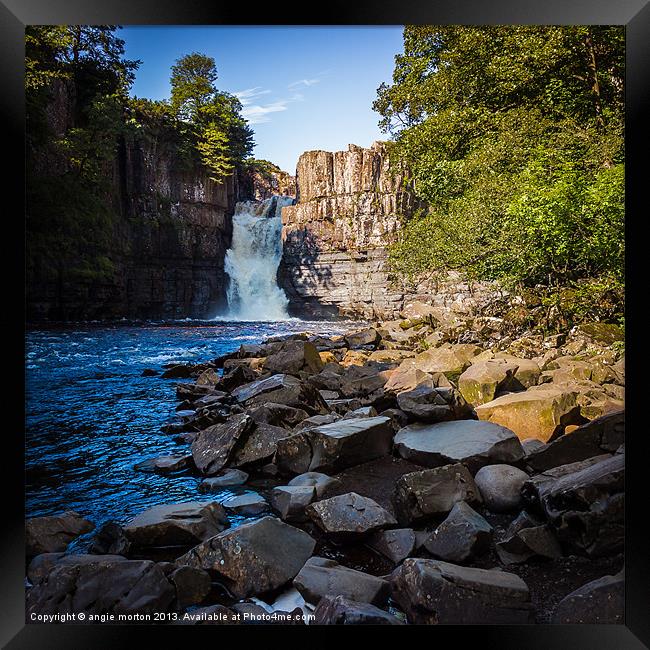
(605, 434)
(214, 446)
(53, 533)
(431, 592)
(292, 357)
(338, 610)
(396, 544)
(176, 524)
(290, 501)
(246, 505)
(321, 577)
(586, 507)
(470, 442)
(362, 381)
(527, 538)
(429, 403)
(317, 420)
(500, 486)
(110, 539)
(208, 378)
(363, 412)
(166, 464)
(349, 442)
(406, 377)
(481, 381)
(450, 360)
(101, 586)
(349, 516)
(42, 565)
(281, 389)
(237, 376)
(361, 338)
(430, 493)
(599, 601)
(260, 445)
(320, 482)
(279, 415)
(463, 535)
(527, 373)
(253, 558)
(225, 478)
(293, 454)
(354, 358)
(192, 585)
(540, 413)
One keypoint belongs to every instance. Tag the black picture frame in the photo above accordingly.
(15, 14)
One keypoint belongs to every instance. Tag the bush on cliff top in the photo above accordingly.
(514, 138)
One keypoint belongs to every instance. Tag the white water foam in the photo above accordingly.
(253, 259)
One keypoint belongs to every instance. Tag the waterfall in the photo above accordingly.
(252, 261)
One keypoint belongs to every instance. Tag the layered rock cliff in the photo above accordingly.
(349, 208)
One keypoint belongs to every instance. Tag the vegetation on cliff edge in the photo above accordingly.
(514, 135)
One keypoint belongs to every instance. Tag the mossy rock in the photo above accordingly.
(606, 333)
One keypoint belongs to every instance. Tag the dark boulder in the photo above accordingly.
(290, 501)
(53, 533)
(500, 486)
(600, 601)
(338, 610)
(430, 403)
(225, 478)
(396, 544)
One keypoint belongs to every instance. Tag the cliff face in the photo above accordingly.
(170, 228)
(349, 207)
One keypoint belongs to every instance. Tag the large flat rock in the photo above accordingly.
(471, 442)
(176, 524)
(253, 558)
(431, 591)
(541, 412)
(53, 533)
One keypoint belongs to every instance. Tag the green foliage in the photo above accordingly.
(222, 136)
(514, 138)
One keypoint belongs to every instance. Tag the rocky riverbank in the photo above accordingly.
(430, 469)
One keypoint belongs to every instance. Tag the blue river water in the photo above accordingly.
(91, 415)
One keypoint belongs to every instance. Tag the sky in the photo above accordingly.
(302, 88)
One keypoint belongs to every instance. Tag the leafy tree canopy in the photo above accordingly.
(514, 138)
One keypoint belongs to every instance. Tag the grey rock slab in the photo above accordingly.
(52, 534)
(471, 442)
(226, 478)
(500, 487)
(432, 591)
(338, 610)
(290, 501)
(253, 558)
(316, 479)
(246, 505)
(396, 544)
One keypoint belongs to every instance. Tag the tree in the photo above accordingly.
(223, 137)
(514, 137)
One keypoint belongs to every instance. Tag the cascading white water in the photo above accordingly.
(252, 261)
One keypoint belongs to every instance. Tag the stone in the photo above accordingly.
(586, 507)
(436, 592)
(236, 376)
(321, 577)
(110, 539)
(354, 358)
(500, 487)
(450, 360)
(292, 357)
(192, 585)
(527, 373)
(246, 505)
(349, 516)
(604, 434)
(214, 446)
(526, 539)
(281, 389)
(52, 534)
(390, 356)
(349, 442)
(540, 413)
(362, 381)
(293, 454)
(259, 446)
(599, 601)
(481, 381)
(225, 478)
(321, 482)
(463, 535)
(102, 586)
(317, 420)
(368, 336)
(42, 565)
(430, 493)
(254, 558)
(178, 371)
(208, 378)
(279, 415)
(290, 501)
(396, 544)
(406, 377)
(363, 412)
(430, 403)
(166, 464)
(471, 442)
(176, 524)
(338, 610)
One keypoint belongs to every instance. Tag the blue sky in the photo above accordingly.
(302, 87)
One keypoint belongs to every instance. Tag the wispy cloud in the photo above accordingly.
(303, 82)
(257, 114)
(247, 96)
